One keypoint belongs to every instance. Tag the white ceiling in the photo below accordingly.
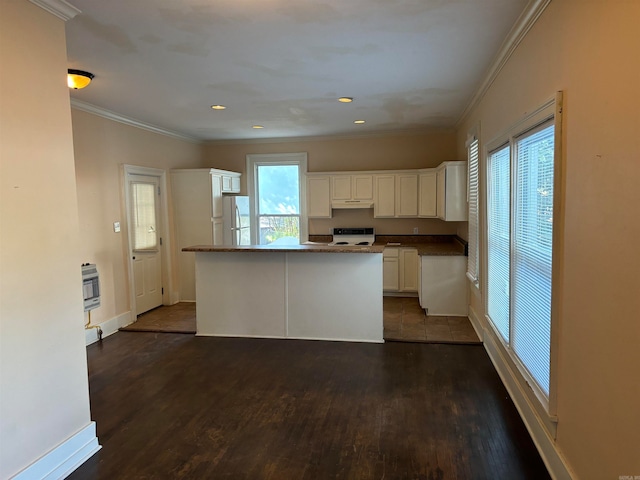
(409, 64)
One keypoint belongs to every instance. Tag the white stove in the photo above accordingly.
(353, 237)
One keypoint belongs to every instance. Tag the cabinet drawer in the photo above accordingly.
(391, 252)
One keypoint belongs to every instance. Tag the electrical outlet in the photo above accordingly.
(415, 230)
(116, 227)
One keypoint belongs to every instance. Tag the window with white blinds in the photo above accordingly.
(519, 247)
(498, 239)
(472, 193)
(531, 252)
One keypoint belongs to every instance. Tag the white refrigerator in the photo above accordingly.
(236, 220)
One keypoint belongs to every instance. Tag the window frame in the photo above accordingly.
(551, 110)
(274, 159)
(473, 242)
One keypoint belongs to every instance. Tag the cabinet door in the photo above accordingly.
(390, 274)
(216, 196)
(444, 285)
(427, 195)
(318, 198)
(341, 187)
(226, 183)
(362, 187)
(408, 270)
(235, 184)
(218, 232)
(384, 203)
(441, 189)
(407, 195)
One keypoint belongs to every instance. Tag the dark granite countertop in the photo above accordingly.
(450, 245)
(305, 248)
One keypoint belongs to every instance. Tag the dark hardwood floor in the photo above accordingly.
(172, 406)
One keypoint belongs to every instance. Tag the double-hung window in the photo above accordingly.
(520, 214)
(276, 185)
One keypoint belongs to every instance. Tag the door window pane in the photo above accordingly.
(143, 216)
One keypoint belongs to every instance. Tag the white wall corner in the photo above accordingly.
(520, 29)
(59, 8)
(65, 458)
(109, 327)
(547, 448)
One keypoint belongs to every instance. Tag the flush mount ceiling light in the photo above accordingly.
(345, 99)
(218, 107)
(359, 122)
(257, 126)
(77, 79)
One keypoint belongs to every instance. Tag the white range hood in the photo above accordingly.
(352, 204)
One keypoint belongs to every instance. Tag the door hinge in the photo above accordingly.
(158, 190)
(162, 290)
(160, 241)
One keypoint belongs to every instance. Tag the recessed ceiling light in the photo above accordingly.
(359, 122)
(345, 99)
(257, 126)
(218, 107)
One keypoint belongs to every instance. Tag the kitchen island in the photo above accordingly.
(314, 292)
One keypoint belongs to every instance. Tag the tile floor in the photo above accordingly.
(405, 321)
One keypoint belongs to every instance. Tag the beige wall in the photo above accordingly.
(43, 381)
(590, 50)
(102, 146)
(381, 152)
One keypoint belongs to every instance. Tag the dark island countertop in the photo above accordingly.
(444, 245)
(304, 248)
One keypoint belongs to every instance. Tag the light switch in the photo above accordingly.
(116, 227)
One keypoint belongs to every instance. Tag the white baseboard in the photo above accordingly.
(551, 456)
(475, 323)
(65, 458)
(108, 327)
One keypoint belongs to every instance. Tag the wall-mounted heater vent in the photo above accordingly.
(90, 286)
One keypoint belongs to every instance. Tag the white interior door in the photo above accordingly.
(145, 240)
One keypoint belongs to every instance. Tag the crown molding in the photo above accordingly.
(59, 8)
(116, 117)
(332, 138)
(525, 21)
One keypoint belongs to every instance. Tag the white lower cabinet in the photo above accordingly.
(443, 287)
(408, 270)
(390, 269)
(400, 269)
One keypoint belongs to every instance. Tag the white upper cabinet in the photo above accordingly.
(427, 194)
(350, 188)
(231, 182)
(417, 193)
(319, 196)
(396, 195)
(384, 203)
(407, 195)
(452, 191)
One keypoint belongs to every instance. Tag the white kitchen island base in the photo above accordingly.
(319, 296)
